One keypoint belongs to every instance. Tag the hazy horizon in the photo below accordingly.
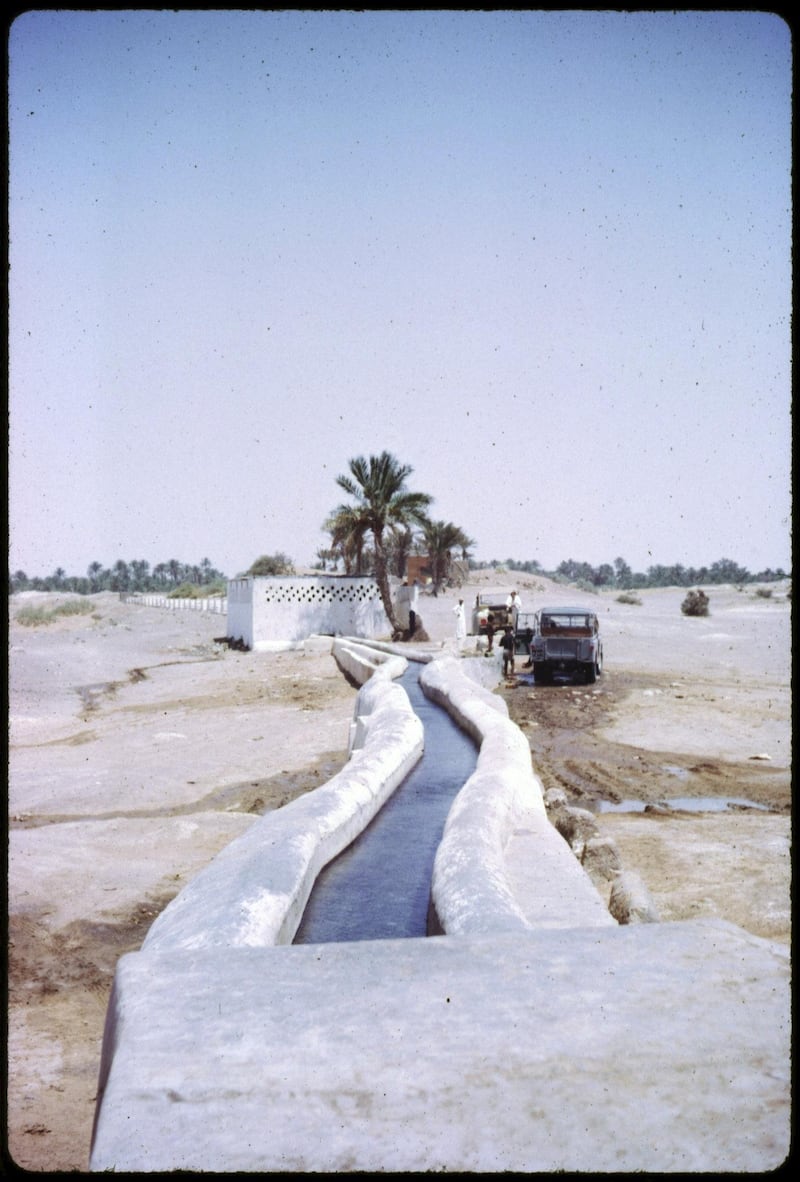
(479, 564)
(544, 258)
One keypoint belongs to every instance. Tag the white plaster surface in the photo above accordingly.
(360, 661)
(651, 1048)
(267, 613)
(255, 890)
(536, 1035)
(500, 864)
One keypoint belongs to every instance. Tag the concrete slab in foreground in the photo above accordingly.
(657, 1047)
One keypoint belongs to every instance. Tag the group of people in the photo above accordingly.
(508, 638)
(407, 600)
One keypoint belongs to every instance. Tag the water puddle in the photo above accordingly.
(688, 804)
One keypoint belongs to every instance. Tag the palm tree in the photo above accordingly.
(324, 556)
(401, 543)
(347, 529)
(122, 576)
(378, 486)
(441, 538)
(94, 571)
(140, 573)
(465, 545)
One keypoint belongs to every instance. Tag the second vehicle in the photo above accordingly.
(566, 640)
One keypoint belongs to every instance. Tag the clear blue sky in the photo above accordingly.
(542, 257)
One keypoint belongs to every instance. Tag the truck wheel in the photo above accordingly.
(541, 673)
(590, 673)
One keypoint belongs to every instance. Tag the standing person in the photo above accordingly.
(461, 623)
(507, 645)
(412, 608)
(514, 606)
(402, 603)
(490, 633)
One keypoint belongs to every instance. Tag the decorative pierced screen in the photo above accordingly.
(264, 610)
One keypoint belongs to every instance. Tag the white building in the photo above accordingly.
(278, 612)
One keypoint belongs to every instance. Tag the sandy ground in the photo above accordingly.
(139, 746)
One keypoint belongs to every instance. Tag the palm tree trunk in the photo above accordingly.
(382, 579)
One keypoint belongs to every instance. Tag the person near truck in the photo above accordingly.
(461, 623)
(507, 645)
(514, 607)
(490, 633)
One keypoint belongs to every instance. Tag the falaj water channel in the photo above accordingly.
(115, 809)
(379, 887)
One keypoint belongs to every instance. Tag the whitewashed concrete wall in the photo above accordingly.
(501, 865)
(651, 1049)
(273, 613)
(254, 892)
(223, 1052)
(240, 611)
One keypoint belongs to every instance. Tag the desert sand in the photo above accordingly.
(140, 744)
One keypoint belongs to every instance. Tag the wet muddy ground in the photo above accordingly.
(697, 854)
(564, 725)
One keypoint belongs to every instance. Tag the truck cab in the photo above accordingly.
(566, 640)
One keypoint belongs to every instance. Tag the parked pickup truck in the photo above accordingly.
(566, 640)
(494, 602)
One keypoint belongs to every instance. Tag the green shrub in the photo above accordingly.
(74, 607)
(272, 564)
(695, 604)
(629, 597)
(195, 591)
(764, 592)
(35, 617)
(32, 617)
(185, 591)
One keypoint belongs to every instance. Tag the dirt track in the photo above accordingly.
(139, 748)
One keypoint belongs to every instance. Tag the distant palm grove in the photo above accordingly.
(132, 577)
(619, 575)
(180, 578)
(374, 533)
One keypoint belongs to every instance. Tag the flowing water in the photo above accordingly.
(379, 887)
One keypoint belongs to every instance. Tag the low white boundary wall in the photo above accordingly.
(216, 604)
(255, 891)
